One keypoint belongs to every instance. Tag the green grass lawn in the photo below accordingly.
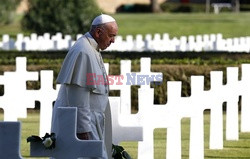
(14, 28)
(232, 149)
(229, 24)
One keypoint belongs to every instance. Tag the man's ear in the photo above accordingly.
(98, 32)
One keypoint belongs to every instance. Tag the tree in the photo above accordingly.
(155, 6)
(7, 9)
(66, 16)
(207, 6)
(236, 5)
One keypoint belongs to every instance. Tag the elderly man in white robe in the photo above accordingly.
(80, 88)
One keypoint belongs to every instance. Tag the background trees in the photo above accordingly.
(7, 9)
(68, 17)
(155, 6)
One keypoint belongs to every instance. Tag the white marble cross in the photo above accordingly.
(145, 76)
(45, 95)
(167, 116)
(68, 146)
(15, 100)
(123, 124)
(150, 117)
(232, 98)
(123, 121)
(245, 102)
(126, 79)
(213, 101)
(119, 84)
(196, 148)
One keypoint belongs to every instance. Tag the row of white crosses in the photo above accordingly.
(38, 42)
(218, 6)
(169, 116)
(17, 99)
(157, 42)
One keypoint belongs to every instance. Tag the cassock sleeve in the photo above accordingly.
(79, 97)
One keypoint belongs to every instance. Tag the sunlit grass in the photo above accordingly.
(229, 24)
(13, 28)
(232, 149)
(178, 24)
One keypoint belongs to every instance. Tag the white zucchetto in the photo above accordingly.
(102, 19)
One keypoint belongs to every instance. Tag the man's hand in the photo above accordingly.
(83, 136)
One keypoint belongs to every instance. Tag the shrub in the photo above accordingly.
(134, 8)
(7, 9)
(245, 7)
(52, 16)
(179, 7)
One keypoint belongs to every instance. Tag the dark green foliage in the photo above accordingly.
(195, 7)
(7, 10)
(66, 16)
(245, 7)
(180, 7)
(119, 152)
(134, 8)
(52, 136)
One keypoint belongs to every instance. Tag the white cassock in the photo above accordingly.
(84, 85)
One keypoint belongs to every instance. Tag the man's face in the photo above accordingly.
(107, 34)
